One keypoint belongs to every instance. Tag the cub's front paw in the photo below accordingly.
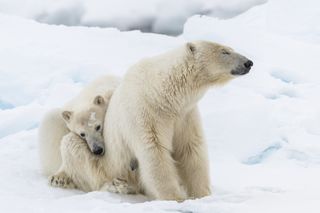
(123, 187)
(119, 186)
(61, 180)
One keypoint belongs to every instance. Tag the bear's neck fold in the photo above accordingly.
(181, 89)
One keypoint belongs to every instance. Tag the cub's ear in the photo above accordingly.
(191, 48)
(66, 115)
(98, 100)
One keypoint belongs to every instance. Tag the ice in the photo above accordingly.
(160, 16)
(262, 130)
(263, 155)
(5, 105)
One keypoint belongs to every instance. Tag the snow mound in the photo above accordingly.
(159, 16)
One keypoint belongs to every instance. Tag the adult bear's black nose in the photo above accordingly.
(248, 64)
(97, 150)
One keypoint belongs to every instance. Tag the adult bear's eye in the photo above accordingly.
(82, 135)
(225, 52)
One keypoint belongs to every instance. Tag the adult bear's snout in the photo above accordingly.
(242, 69)
(248, 64)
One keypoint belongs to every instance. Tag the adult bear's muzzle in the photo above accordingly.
(243, 69)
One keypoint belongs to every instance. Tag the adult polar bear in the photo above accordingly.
(153, 116)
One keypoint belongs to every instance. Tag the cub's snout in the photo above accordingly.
(96, 145)
(97, 150)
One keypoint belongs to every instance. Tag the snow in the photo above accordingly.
(262, 130)
(159, 16)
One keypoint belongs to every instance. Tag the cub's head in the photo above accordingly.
(217, 63)
(88, 123)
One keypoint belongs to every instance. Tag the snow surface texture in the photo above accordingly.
(159, 16)
(262, 130)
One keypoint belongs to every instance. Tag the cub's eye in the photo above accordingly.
(225, 52)
(98, 128)
(82, 135)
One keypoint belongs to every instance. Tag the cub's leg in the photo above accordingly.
(85, 171)
(79, 166)
(62, 180)
(123, 186)
(190, 152)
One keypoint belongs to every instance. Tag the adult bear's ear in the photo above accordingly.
(98, 100)
(66, 115)
(108, 95)
(191, 48)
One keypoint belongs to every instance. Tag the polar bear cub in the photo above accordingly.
(83, 170)
(71, 142)
(83, 115)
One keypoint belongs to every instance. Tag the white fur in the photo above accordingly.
(66, 158)
(92, 119)
(81, 169)
(153, 116)
(51, 131)
(100, 86)
(53, 127)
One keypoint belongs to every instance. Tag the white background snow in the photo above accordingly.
(262, 130)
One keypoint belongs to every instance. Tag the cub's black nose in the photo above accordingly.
(248, 64)
(98, 150)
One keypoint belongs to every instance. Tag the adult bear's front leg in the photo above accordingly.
(157, 168)
(190, 152)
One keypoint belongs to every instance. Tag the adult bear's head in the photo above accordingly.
(217, 63)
